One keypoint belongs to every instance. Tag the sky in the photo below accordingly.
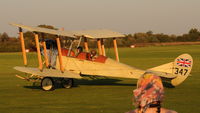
(125, 16)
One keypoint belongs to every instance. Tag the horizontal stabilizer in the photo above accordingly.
(164, 70)
(48, 72)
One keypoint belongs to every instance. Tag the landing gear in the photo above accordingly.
(47, 84)
(67, 82)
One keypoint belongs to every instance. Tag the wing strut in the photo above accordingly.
(86, 44)
(38, 51)
(103, 47)
(21, 36)
(45, 51)
(99, 46)
(60, 54)
(70, 48)
(115, 49)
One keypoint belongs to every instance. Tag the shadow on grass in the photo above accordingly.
(33, 87)
(111, 82)
(57, 86)
(37, 86)
(97, 82)
(168, 85)
(89, 82)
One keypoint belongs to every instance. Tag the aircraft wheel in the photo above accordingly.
(47, 84)
(67, 82)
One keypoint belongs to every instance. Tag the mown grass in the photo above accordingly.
(101, 95)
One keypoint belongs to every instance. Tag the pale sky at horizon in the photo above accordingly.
(125, 16)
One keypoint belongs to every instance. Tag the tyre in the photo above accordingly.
(47, 84)
(67, 82)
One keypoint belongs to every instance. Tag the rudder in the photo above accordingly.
(182, 67)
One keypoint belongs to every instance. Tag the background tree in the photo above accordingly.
(153, 39)
(4, 37)
(163, 38)
(127, 40)
(9, 44)
(193, 34)
(149, 33)
(141, 37)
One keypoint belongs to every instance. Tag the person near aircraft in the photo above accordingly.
(82, 55)
(79, 50)
(52, 52)
(93, 54)
(149, 95)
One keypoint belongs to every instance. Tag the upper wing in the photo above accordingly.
(102, 33)
(48, 72)
(45, 30)
(94, 34)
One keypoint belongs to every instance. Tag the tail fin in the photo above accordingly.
(182, 67)
(176, 71)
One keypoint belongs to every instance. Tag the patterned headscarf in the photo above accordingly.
(149, 89)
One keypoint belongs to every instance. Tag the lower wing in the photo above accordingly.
(48, 72)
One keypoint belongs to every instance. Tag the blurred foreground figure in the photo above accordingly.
(149, 95)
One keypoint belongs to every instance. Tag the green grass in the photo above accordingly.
(98, 96)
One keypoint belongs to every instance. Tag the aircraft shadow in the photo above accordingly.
(32, 87)
(105, 81)
(168, 85)
(35, 85)
(97, 81)
(111, 82)
(100, 82)
(57, 86)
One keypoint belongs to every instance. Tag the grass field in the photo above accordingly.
(102, 95)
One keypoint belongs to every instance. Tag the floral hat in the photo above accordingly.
(149, 89)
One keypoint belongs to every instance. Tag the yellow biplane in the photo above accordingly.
(69, 66)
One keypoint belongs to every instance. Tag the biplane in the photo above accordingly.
(69, 66)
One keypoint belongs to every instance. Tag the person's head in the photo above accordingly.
(93, 53)
(79, 49)
(40, 42)
(149, 91)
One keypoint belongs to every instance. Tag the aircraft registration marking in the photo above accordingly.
(181, 71)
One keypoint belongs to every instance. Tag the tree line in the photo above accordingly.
(12, 44)
(149, 37)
